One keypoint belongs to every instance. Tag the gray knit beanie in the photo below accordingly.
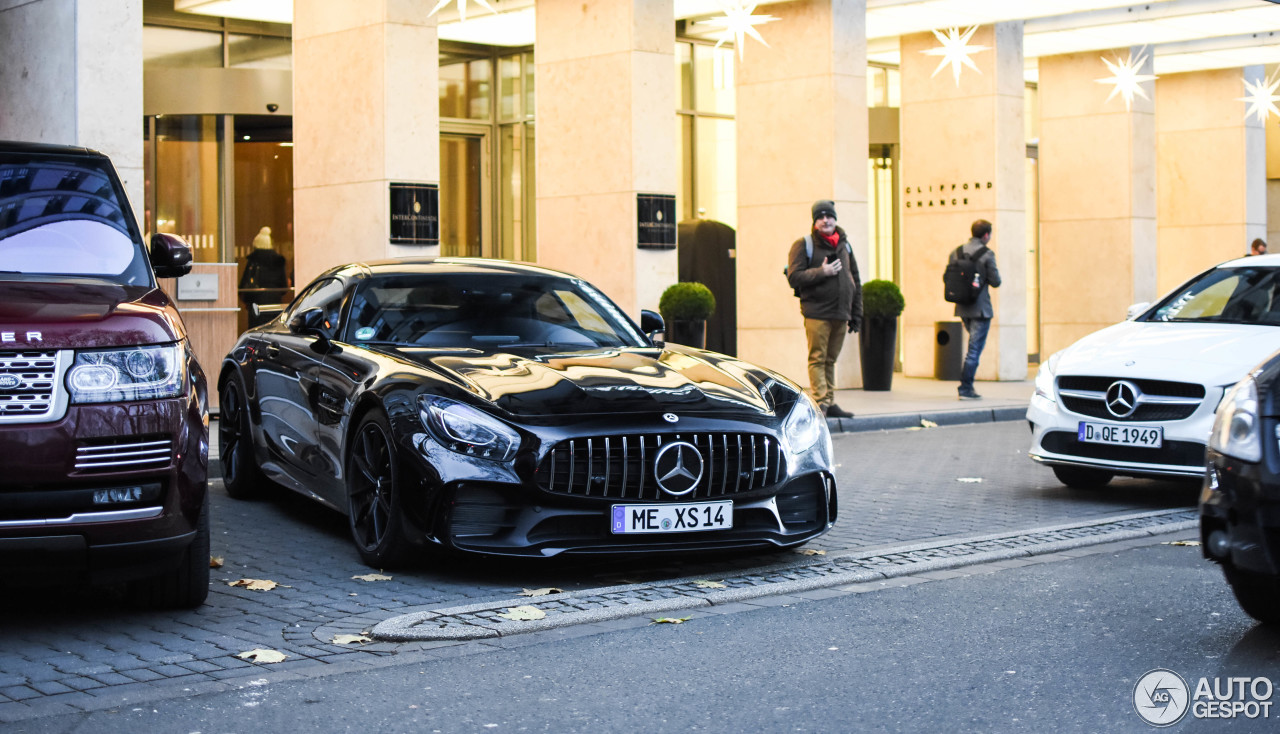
(824, 207)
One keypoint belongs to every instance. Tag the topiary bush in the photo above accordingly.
(881, 299)
(687, 302)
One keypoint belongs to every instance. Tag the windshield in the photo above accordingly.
(486, 311)
(1249, 295)
(62, 216)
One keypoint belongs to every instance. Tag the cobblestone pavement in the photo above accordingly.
(68, 650)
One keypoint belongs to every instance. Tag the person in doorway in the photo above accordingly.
(1259, 247)
(264, 267)
(824, 275)
(977, 316)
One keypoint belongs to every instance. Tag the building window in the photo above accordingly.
(708, 185)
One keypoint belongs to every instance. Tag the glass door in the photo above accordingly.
(464, 194)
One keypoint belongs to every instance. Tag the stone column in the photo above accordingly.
(365, 114)
(1211, 172)
(606, 118)
(963, 158)
(1097, 196)
(802, 136)
(71, 73)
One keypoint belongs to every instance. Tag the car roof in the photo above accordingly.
(457, 265)
(1268, 260)
(19, 146)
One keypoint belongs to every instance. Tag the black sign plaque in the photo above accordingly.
(415, 214)
(656, 221)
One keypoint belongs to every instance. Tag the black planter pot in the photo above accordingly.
(879, 342)
(688, 333)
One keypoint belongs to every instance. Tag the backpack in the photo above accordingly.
(808, 255)
(962, 280)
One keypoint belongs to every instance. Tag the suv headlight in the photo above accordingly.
(462, 428)
(803, 426)
(133, 373)
(1236, 430)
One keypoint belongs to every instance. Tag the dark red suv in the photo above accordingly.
(104, 422)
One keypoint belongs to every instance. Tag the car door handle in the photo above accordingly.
(272, 350)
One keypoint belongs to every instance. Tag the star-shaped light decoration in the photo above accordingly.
(1262, 98)
(955, 51)
(739, 21)
(1126, 79)
(462, 8)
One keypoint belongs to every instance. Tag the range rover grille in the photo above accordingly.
(622, 467)
(135, 453)
(27, 383)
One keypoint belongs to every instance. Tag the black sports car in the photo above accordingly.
(1240, 498)
(501, 408)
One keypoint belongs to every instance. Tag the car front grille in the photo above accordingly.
(622, 467)
(135, 453)
(1171, 453)
(28, 381)
(1160, 400)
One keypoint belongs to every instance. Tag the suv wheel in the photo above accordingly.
(1258, 595)
(241, 476)
(1078, 477)
(184, 587)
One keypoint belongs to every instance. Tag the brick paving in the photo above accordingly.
(74, 649)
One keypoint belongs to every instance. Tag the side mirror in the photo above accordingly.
(1136, 310)
(309, 322)
(651, 323)
(170, 256)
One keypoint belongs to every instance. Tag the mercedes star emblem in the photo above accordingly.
(678, 468)
(670, 417)
(1122, 398)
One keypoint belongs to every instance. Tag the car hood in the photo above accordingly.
(1211, 354)
(85, 314)
(675, 379)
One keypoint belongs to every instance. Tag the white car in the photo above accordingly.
(1138, 398)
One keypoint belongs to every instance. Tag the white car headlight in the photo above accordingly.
(803, 426)
(464, 429)
(1236, 429)
(1044, 378)
(133, 373)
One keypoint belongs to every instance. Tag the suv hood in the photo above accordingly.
(84, 314)
(608, 381)
(1210, 354)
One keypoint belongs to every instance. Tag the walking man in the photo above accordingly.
(977, 315)
(824, 275)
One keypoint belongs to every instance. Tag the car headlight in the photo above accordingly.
(1044, 378)
(133, 373)
(1236, 430)
(803, 426)
(462, 428)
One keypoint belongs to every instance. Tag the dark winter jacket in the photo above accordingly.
(980, 308)
(832, 298)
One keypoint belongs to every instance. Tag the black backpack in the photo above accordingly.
(962, 279)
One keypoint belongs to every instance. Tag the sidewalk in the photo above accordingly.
(916, 399)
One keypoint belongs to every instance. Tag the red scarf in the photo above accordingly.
(833, 238)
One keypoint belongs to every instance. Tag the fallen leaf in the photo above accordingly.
(969, 480)
(263, 656)
(215, 561)
(812, 552)
(1192, 543)
(926, 423)
(541, 592)
(523, 614)
(671, 620)
(703, 584)
(349, 639)
(372, 577)
(255, 584)
(914, 428)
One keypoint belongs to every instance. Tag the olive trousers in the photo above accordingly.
(825, 340)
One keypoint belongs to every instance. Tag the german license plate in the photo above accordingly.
(1151, 437)
(672, 518)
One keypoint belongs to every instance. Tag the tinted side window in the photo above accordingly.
(325, 295)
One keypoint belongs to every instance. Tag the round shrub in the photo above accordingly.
(687, 302)
(881, 299)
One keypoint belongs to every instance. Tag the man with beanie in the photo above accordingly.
(824, 274)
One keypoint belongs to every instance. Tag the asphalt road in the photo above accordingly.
(77, 649)
(1046, 646)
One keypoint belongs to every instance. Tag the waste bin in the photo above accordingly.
(948, 350)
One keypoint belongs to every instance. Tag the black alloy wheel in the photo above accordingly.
(185, 586)
(241, 476)
(1258, 595)
(373, 498)
(1079, 477)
